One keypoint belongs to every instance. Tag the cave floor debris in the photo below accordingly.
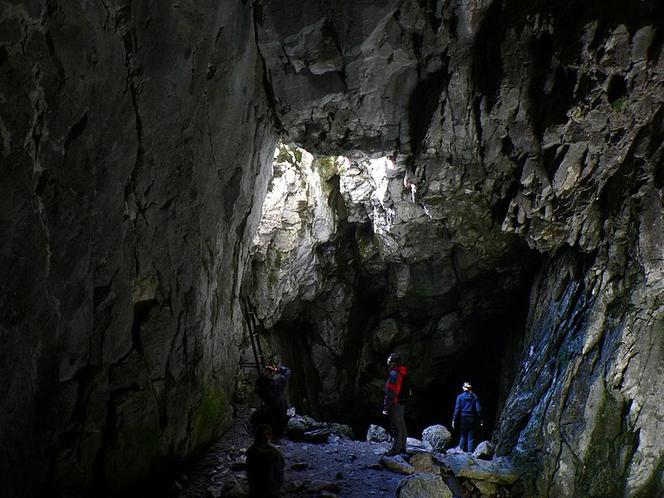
(341, 468)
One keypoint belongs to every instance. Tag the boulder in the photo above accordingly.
(484, 450)
(486, 488)
(413, 444)
(309, 429)
(436, 437)
(396, 464)
(423, 486)
(423, 462)
(302, 423)
(496, 471)
(378, 434)
(342, 431)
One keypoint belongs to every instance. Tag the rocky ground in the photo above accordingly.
(336, 467)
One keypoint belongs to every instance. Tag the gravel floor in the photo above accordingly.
(341, 467)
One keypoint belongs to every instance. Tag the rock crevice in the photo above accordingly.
(518, 209)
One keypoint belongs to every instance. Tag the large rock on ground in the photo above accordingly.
(423, 462)
(423, 486)
(436, 438)
(497, 471)
(484, 450)
(307, 428)
(377, 434)
(396, 464)
(413, 444)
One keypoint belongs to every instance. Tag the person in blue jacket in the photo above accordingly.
(467, 412)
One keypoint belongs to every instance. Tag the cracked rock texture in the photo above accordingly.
(134, 142)
(349, 265)
(509, 136)
(541, 120)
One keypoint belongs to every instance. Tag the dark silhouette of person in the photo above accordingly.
(270, 388)
(394, 410)
(265, 466)
(467, 412)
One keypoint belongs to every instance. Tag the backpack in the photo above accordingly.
(406, 391)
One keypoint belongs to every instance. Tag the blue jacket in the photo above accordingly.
(467, 405)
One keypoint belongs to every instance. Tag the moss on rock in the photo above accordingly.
(605, 464)
(211, 417)
(326, 166)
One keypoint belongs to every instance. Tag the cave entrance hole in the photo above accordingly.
(341, 275)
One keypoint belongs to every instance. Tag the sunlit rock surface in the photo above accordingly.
(520, 145)
(540, 120)
(296, 221)
(348, 265)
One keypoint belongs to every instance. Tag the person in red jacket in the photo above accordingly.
(394, 410)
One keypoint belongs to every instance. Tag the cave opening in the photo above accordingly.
(351, 263)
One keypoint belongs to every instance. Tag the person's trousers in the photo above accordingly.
(396, 415)
(467, 429)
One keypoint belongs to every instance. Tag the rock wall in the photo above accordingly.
(584, 414)
(348, 265)
(541, 120)
(135, 144)
(135, 141)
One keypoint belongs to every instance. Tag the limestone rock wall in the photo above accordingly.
(296, 220)
(585, 406)
(541, 120)
(134, 141)
(348, 265)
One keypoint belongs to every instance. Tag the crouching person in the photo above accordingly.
(265, 466)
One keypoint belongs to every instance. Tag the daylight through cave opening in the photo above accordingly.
(351, 262)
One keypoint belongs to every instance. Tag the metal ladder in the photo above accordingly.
(254, 336)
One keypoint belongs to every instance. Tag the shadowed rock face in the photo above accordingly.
(136, 144)
(542, 121)
(133, 145)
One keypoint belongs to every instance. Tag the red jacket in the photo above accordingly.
(393, 386)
